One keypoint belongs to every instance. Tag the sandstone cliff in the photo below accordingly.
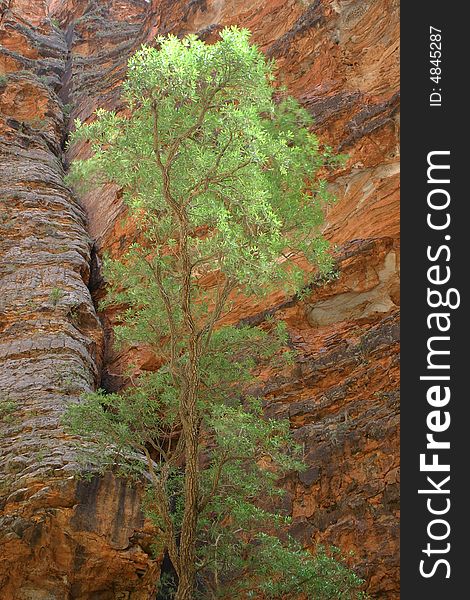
(61, 59)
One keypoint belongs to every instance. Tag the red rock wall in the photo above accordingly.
(59, 537)
(340, 58)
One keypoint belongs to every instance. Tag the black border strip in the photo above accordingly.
(427, 127)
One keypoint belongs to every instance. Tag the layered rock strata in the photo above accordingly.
(60, 537)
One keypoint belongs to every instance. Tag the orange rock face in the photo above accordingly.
(60, 537)
(64, 538)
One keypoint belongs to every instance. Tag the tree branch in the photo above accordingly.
(162, 506)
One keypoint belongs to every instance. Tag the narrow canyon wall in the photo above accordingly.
(63, 538)
(59, 537)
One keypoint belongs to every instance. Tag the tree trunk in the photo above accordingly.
(187, 548)
(185, 587)
(191, 428)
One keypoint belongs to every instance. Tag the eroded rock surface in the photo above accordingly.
(340, 59)
(59, 537)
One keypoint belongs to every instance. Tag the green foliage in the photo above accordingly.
(55, 295)
(221, 180)
(67, 109)
(242, 166)
(3, 80)
(7, 410)
(286, 569)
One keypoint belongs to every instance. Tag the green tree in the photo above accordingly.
(221, 180)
